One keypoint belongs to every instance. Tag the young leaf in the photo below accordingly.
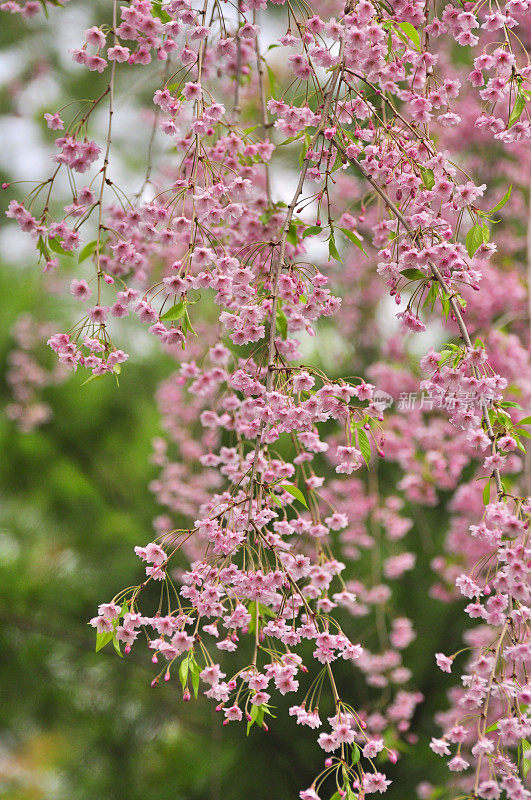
(187, 325)
(413, 274)
(183, 671)
(282, 323)
(486, 493)
(175, 312)
(332, 249)
(313, 230)
(292, 234)
(411, 32)
(254, 715)
(54, 245)
(428, 178)
(272, 81)
(516, 113)
(252, 608)
(354, 239)
(502, 201)
(474, 239)
(102, 639)
(295, 492)
(526, 762)
(364, 445)
(194, 671)
(87, 251)
(356, 753)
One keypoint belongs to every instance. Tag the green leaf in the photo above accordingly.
(87, 251)
(492, 727)
(486, 493)
(275, 499)
(272, 80)
(332, 249)
(510, 404)
(158, 11)
(474, 239)
(354, 239)
(411, 32)
(526, 763)
(524, 421)
(502, 201)
(116, 644)
(295, 492)
(431, 297)
(183, 671)
(364, 445)
(356, 753)
(92, 378)
(516, 113)
(187, 325)
(194, 671)
(41, 247)
(103, 639)
(428, 178)
(54, 245)
(175, 312)
(252, 608)
(292, 234)
(313, 230)
(254, 717)
(413, 274)
(485, 231)
(282, 323)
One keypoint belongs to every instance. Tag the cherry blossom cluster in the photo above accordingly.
(222, 269)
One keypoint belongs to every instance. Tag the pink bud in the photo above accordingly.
(108, 279)
(186, 695)
(167, 677)
(225, 722)
(264, 726)
(154, 658)
(6, 185)
(328, 762)
(154, 682)
(393, 758)
(303, 668)
(127, 649)
(220, 707)
(487, 589)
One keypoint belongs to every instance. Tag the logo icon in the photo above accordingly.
(382, 400)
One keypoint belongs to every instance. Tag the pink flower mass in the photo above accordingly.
(293, 190)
